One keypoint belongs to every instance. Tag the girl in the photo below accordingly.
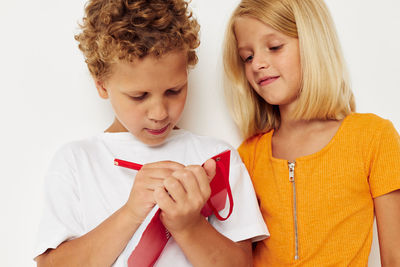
(319, 169)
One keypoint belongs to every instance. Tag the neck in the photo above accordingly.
(290, 125)
(287, 122)
(116, 127)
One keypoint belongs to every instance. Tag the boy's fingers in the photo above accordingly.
(154, 183)
(201, 179)
(210, 168)
(188, 180)
(158, 173)
(162, 198)
(153, 177)
(175, 189)
(164, 164)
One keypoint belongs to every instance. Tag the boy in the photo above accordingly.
(138, 53)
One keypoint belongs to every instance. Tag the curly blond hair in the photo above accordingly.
(125, 30)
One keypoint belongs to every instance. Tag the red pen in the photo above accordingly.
(127, 164)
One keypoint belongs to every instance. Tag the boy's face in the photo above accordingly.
(148, 96)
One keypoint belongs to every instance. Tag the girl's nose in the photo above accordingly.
(260, 61)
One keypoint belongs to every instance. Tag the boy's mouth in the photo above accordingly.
(158, 131)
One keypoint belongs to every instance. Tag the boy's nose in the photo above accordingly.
(157, 112)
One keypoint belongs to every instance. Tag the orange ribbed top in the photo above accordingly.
(325, 212)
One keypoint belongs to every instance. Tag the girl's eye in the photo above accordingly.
(140, 97)
(248, 59)
(275, 48)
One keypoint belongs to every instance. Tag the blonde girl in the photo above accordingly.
(321, 171)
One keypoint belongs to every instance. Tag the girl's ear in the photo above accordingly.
(103, 93)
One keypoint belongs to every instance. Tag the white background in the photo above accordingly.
(48, 98)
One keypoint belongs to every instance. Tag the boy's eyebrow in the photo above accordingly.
(180, 84)
(137, 90)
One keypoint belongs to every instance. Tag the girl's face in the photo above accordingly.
(271, 60)
(148, 95)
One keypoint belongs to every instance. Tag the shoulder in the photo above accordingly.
(207, 146)
(250, 145)
(67, 155)
(367, 120)
(77, 147)
(369, 125)
(203, 142)
(370, 133)
(254, 146)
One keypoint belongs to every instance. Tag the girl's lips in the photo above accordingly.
(158, 131)
(268, 80)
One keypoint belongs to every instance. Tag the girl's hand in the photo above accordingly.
(184, 195)
(148, 179)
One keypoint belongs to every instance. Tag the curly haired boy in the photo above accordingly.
(138, 53)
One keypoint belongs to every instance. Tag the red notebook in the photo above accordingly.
(155, 236)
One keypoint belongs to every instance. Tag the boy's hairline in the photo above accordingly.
(134, 60)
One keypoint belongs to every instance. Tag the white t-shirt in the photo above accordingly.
(83, 188)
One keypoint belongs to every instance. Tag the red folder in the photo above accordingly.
(156, 236)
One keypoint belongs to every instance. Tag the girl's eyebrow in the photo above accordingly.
(266, 36)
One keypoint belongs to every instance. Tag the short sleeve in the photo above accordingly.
(246, 221)
(61, 217)
(244, 152)
(384, 176)
(247, 152)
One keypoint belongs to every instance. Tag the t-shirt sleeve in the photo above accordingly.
(61, 218)
(247, 152)
(243, 151)
(384, 176)
(246, 221)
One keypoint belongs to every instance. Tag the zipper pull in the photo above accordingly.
(291, 171)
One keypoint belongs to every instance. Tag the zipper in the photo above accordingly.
(291, 165)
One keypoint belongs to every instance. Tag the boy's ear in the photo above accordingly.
(103, 93)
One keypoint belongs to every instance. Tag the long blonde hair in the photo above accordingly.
(325, 91)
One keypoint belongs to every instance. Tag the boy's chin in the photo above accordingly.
(155, 144)
(153, 141)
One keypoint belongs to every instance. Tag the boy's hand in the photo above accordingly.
(184, 195)
(150, 177)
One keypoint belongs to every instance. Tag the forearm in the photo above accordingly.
(390, 262)
(387, 210)
(390, 255)
(205, 246)
(99, 247)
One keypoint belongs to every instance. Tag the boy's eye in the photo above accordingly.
(275, 48)
(139, 97)
(173, 92)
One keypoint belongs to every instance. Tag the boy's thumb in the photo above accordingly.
(210, 168)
